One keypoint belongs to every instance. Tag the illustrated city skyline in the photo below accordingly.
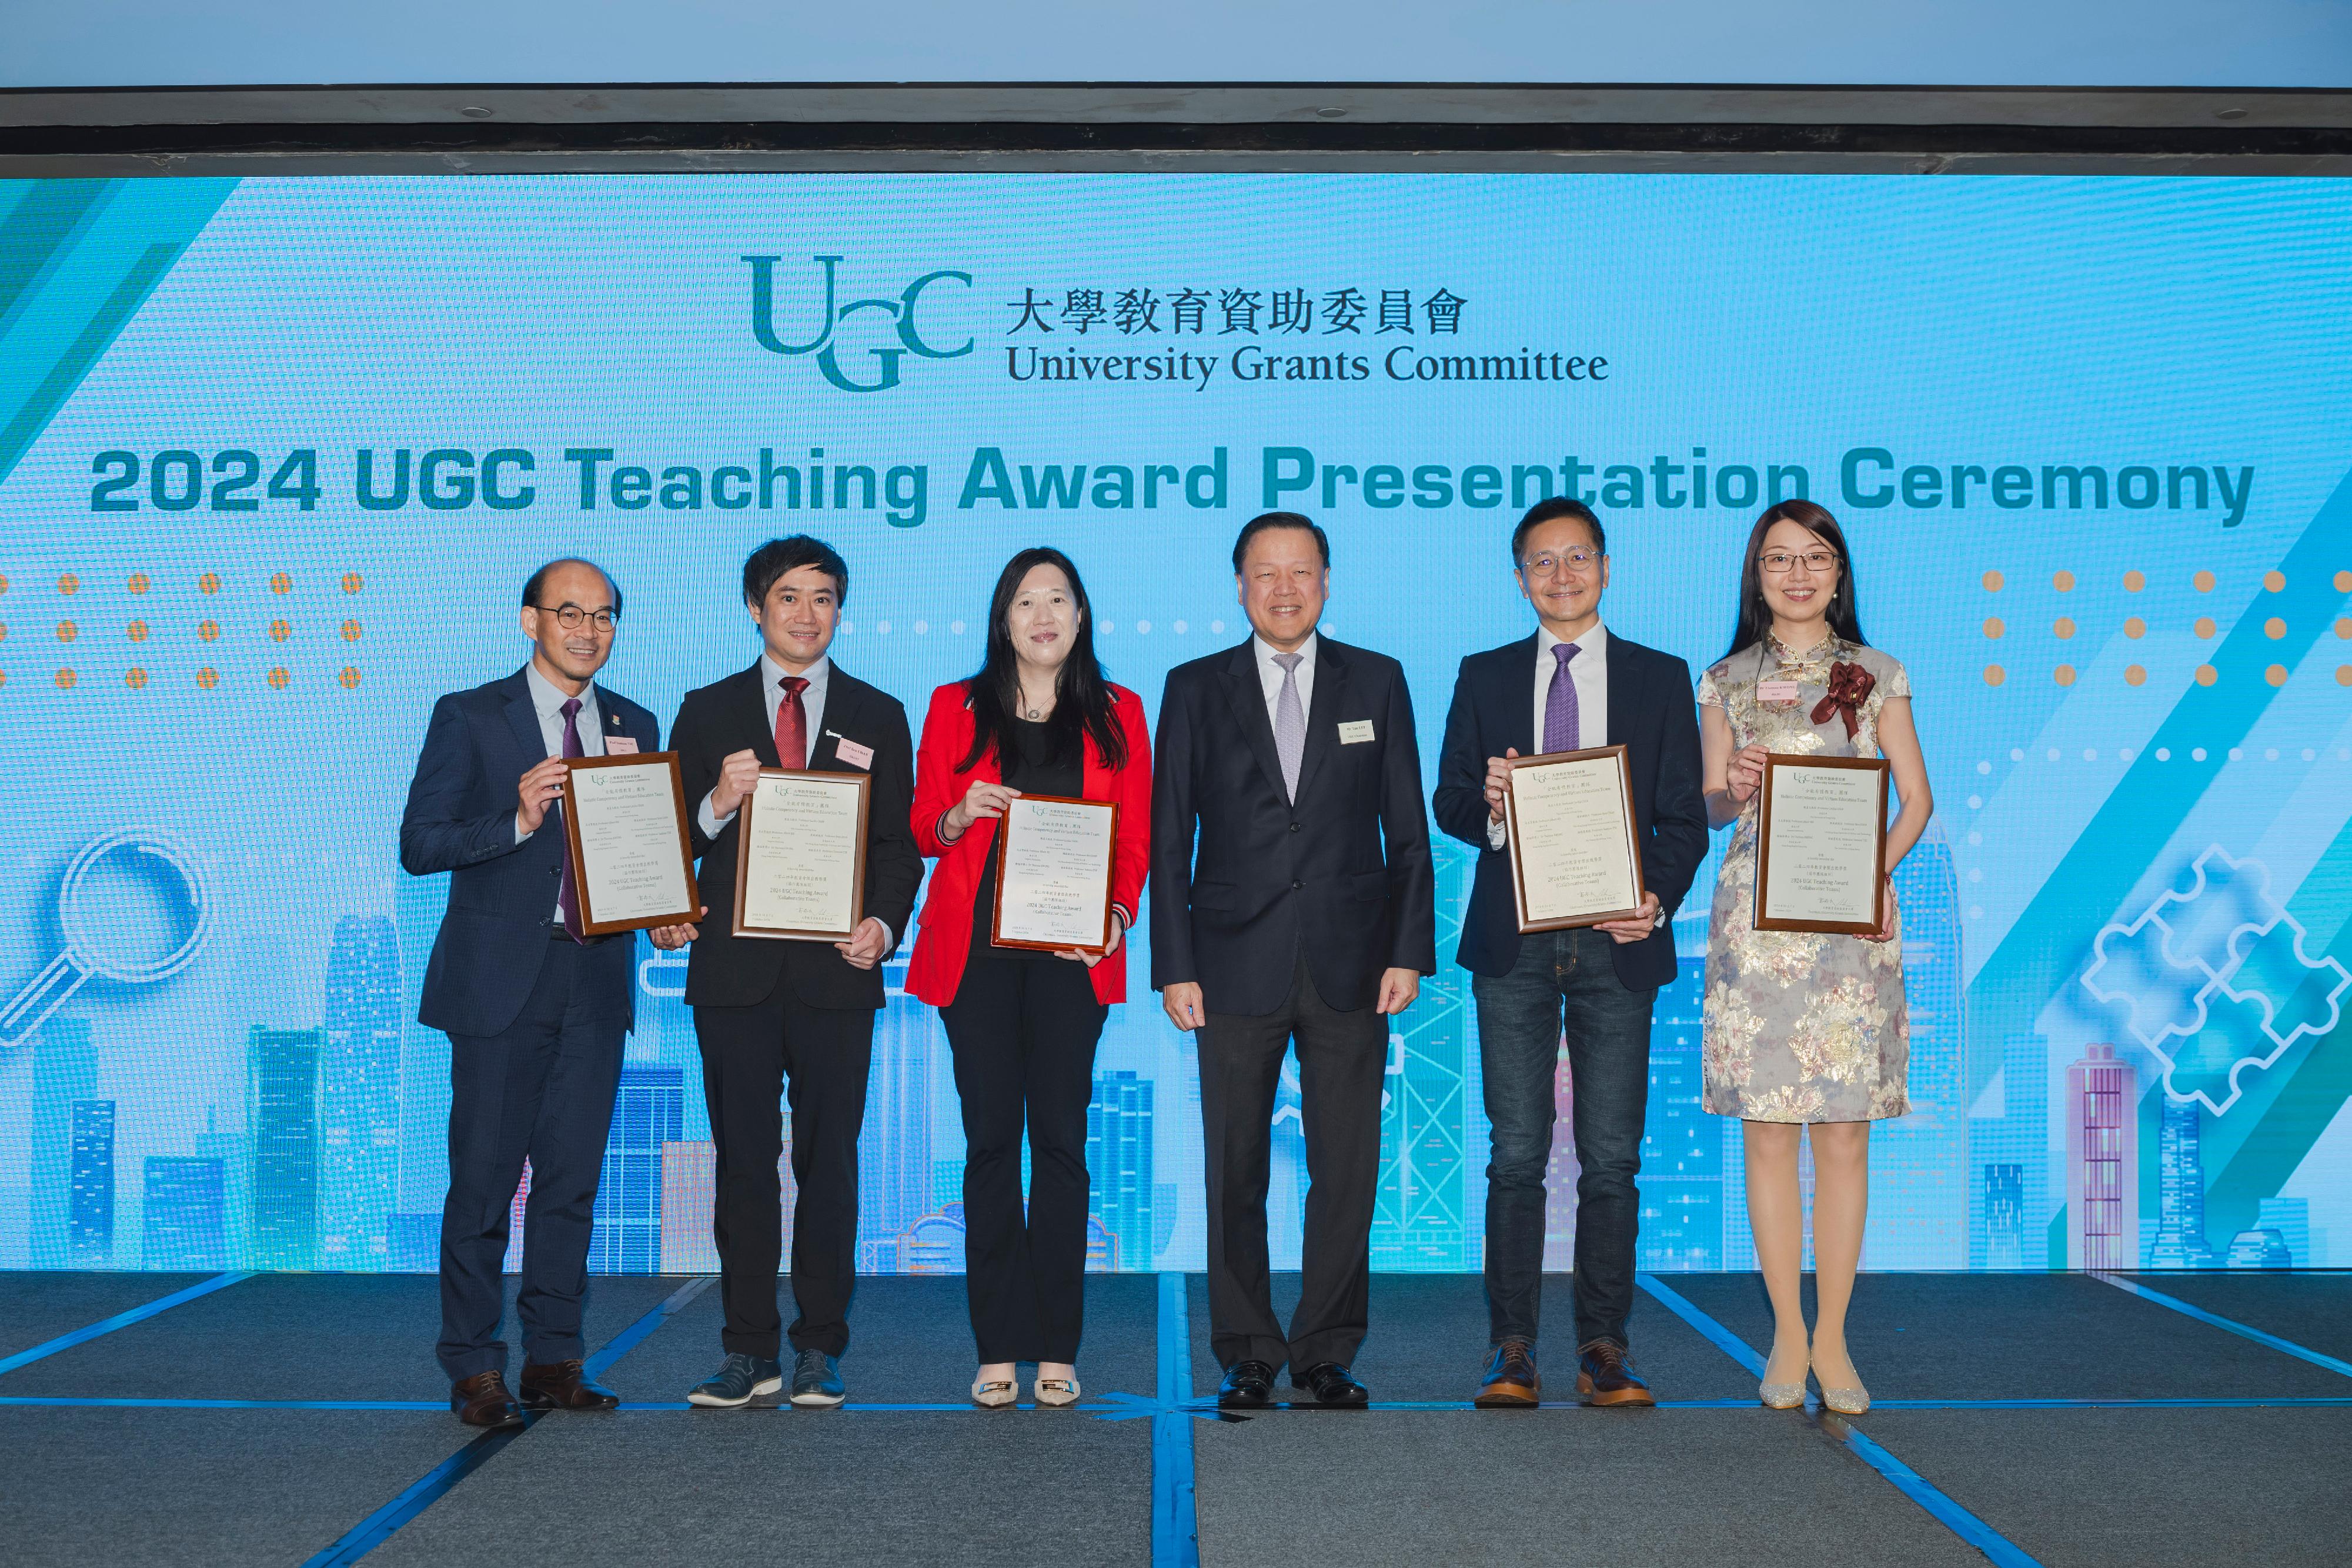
(341, 1163)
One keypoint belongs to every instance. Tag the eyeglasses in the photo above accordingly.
(1780, 561)
(569, 616)
(1567, 560)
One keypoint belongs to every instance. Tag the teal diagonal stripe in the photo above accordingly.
(77, 259)
(2045, 948)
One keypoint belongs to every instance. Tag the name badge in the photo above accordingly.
(619, 746)
(1355, 731)
(1778, 691)
(856, 756)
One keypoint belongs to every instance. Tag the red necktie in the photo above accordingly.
(791, 725)
(567, 897)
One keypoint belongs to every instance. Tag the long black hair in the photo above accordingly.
(1756, 616)
(1082, 705)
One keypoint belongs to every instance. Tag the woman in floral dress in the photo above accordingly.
(1803, 1030)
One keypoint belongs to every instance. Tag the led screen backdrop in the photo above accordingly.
(275, 457)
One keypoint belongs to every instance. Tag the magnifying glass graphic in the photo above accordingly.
(132, 908)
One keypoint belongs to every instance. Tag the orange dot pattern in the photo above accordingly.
(1993, 626)
(2063, 674)
(1995, 674)
(2062, 628)
(142, 632)
(2135, 675)
(69, 583)
(2133, 582)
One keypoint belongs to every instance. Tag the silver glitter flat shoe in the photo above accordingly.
(1780, 1396)
(1845, 1401)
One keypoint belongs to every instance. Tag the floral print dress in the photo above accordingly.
(1799, 1027)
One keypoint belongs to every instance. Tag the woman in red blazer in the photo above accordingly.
(1038, 719)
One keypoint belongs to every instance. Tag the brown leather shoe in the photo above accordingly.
(1511, 1381)
(482, 1400)
(563, 1385)
(1605, 1375)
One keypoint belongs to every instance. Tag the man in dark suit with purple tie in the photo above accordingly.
(1572, 684)
(534, 1008)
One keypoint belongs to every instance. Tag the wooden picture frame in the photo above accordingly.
(1629, 825)
(1777, 763)
(1110, 858)
(575, 848)
(747, 833)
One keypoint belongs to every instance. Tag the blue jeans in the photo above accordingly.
(1564, 982)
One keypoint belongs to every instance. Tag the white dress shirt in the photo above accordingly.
(1590, 671)
(547, 700)
(772, 698)
(1269, 674)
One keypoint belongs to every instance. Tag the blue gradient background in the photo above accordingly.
(2111, 323)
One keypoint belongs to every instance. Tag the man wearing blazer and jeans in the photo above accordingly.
(1305, 914)
(1569, 686)
(766, 1010)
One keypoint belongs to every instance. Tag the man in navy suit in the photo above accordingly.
(1305, 914)
(1569, 686)
(534, 1008)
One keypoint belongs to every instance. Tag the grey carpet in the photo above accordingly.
(2142, 1488)
(1625, 1488)
(799, 1487)
(910, 1342)
(37, 1308)
(299, 1336)
(2003, 1336)
(202, 1487)
(2314, 1310)
(1428, 1341)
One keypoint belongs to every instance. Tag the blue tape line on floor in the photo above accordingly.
(1175, 1514)
(1910, 1482)
(119, 1321)
(2230, 1325)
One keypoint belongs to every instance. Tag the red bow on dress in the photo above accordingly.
(1850, 687)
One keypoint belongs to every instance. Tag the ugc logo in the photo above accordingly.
(858, 319)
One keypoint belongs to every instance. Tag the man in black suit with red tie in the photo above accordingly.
(767, 1011)
(1305, 915)
(1570, 685)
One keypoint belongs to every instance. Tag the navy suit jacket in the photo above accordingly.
(461, 820)
(1653, 715)
(730, 716)
(1344, 873)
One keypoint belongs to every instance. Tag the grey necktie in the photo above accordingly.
(1290, 724)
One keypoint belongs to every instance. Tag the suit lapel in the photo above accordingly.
(1515, 689)
(1620, 671)
(843, 701)
(524, 718)
(750, 705)
(1323, 710)
(1248, 700)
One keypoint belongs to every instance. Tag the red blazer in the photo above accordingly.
(943, 934)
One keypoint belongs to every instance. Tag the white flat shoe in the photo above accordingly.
(990, 1394)
(1057, 1391)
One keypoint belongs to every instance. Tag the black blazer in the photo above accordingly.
(461, 819)
(717, 720)
(1345, 873)
(1653, 715)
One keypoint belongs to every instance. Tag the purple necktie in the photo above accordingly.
(567, 897)
(1560, 724)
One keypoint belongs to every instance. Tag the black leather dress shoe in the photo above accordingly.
(1511, 1380)
(1605, 1375)
(483, 1400)
(1247, 1385)
(1332, 1383)
(563, 1385)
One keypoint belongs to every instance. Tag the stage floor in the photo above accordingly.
(2058, 1419)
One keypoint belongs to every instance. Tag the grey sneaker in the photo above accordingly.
(816, 1379)
(744, 1379)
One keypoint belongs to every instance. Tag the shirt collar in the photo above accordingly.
(1590, 643)
(772, 673)
(547, 698)
(1265, 652)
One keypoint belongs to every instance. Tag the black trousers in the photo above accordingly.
(748, 1055)
(1342, 1062)
(1024, 1033)
(541, 1090)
